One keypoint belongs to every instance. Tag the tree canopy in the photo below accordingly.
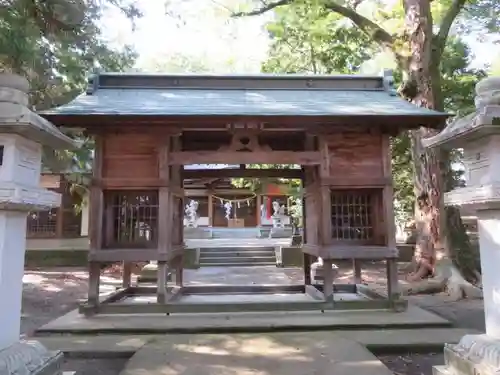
(432, 62)
(55, 44)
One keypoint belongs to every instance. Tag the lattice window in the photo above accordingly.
(353, 215)
(131, 219)
(42, 223)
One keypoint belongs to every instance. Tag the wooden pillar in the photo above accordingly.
(306, 257)
(328, 280)
(177, 205)
(60, 210)
(164, 219)
(356, 270)
(210, 210)
(258, 203)
(161, 289)
(96, 211)
(126, 274)
(390, 235)
(308, 209)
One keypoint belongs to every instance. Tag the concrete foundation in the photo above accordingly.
(74, 322)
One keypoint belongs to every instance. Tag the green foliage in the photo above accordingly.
(307, 38)
(457, 79)
(55, 44)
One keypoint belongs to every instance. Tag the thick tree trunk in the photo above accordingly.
(436, 270)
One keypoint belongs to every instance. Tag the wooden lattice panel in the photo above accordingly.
(355, 155)
(133, 156)
(131, 219)
(355, 215)
(42, 224)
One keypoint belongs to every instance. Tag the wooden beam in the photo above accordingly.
(351, 251)
(241, 157)
(135, 255)
(206, 192)
(242, 173)
(340, 182)
(129, 183)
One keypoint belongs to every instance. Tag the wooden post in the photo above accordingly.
(127, 274)
(164, 222)
(306, 257)
(328, 280)
(388, 200)
(96, 212)
(356, 270)
(307, 182)
(177, 237)
(60, 209)
(210, 210)
(326, 214)
(161, 290)
(258, 203)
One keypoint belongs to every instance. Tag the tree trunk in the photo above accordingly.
(422, 87)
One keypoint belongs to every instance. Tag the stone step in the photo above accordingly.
(242, 264)
(235, 233)
(236, 249)
(254, 260)
(225, 254)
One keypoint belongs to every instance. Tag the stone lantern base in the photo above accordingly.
(30, 358)
(473, 355)
(317, 271)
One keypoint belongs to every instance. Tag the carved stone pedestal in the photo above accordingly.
(473, 355)
(30, 358)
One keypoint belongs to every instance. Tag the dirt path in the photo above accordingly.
(48, 294)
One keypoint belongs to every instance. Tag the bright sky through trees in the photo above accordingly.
(206, 34)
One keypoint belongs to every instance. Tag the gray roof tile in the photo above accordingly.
(243, 102)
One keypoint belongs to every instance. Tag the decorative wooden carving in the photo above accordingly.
(244, 140)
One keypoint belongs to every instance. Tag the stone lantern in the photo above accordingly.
(22, 135)
(478, 134)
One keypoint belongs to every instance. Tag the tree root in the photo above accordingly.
(447, 279)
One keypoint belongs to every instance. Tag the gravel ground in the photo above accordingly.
(412, 364)
(48, 294)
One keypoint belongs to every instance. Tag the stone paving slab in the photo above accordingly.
(236, 276)
(74, 322)
(97, 346)
(389, 339)
(126, 345)
(292, 353)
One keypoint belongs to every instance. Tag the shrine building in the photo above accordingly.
(150, 128)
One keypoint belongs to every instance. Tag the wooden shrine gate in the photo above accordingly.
(137, 190)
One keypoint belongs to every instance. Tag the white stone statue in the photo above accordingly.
(228, 206)
(263, 212)
(278, 215)
(191, 214)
